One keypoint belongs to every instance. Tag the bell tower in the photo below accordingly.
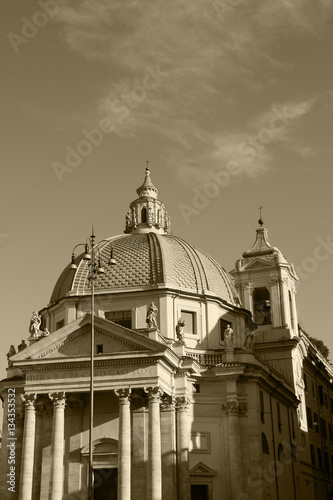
(265, 282)
(147, 213)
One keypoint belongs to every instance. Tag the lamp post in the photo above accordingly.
(92, 255)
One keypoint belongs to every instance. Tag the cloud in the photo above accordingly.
(215, 66)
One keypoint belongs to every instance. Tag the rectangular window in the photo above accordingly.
(315, 422)
(99, 348)
(60, 324)
(313, 455)
(325, 400)
(321, 395)
(323, 428)
(293, 426)
(123, 318)
(279, 417)
(189, 318)
(262, 407)
(330, 432)
(309, 417)
(305, 378)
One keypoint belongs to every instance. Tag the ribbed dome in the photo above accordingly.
(146, 261)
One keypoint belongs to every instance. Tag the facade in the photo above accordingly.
(204, 386)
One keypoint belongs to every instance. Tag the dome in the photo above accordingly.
(148, 257)
(148, 261)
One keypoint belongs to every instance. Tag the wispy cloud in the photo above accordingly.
(209, 61)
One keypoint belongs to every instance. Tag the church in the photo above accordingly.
(155, 374)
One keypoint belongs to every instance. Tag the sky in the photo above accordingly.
(230, 101)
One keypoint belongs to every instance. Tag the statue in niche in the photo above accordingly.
(249, 337)
(22, 346)
(35, 323)
(152, 316)
(180, 330)
(229, 337)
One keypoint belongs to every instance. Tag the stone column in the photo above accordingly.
(232, 410)
(184, 492)
(28, 448)
(168, 445)
(124, 451)
(154, 444)
(57, 447)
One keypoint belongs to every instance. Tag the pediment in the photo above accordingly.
(201, 469)
(74, 340)
(258, 264)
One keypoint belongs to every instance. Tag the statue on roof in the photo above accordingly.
(35, 323)
(152, 316)
(180, 329)
(22, 346)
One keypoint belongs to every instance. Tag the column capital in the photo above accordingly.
(58, 399)
(29, 400)
(168, 403)
(123, 394)
(234, 408)
(182, 403)
(154, 393)
(44, 408)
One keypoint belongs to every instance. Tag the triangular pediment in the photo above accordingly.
(74, 340)
(258, 264)
(201, 469)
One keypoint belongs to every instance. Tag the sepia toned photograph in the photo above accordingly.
(166, 250)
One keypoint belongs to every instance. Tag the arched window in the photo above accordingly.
(264, 443)
(281, 455)
(143, 214)
(262, 306)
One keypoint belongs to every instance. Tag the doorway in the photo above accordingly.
(199, 492)
(105, 484)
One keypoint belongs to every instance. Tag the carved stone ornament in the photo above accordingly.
(168, 403)
(182, 403)
(28, 400)
(123, 394)
(154, 393)
(58, 399)
(234, 408)
(44, 408)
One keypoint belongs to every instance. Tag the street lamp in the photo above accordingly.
(92, 256)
